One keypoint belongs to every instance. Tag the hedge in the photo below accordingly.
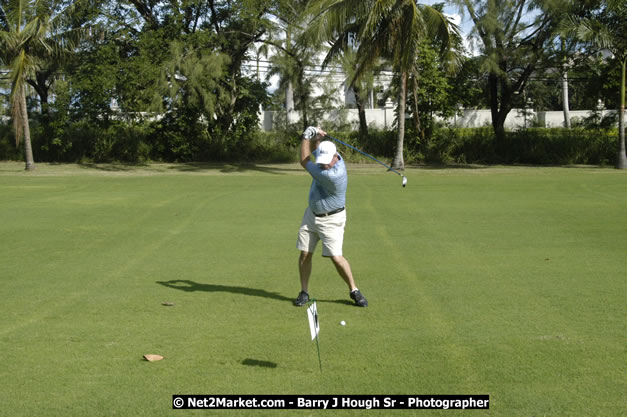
(138, 142)
(535, 146)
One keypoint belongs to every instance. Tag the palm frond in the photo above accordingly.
(328, 18)
(4, 21)
(18, 69)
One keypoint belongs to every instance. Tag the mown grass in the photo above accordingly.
(507, 281)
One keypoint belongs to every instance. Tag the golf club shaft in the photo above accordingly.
(365, 154)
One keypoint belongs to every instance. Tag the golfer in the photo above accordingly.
(325, 217)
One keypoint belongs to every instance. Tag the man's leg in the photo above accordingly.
(304, 269)
(344, 269)
(306, 244)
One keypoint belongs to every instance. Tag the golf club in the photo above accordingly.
(371, 157)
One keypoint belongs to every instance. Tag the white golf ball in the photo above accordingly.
(343, 323)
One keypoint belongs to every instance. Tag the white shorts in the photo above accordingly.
(329, 229)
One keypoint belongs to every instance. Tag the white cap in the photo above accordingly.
(326, 152)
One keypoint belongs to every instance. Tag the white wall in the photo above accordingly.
(385, 118)
(379, 118)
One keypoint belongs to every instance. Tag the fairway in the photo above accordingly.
(503, 281)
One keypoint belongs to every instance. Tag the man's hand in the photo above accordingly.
(310, 133)
(311, 140)
(313, 133)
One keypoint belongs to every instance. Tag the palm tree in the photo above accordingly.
(606, 29)
(361, 86)
(566, 62)
(28, 40)
(20, 29)
(390, 29)
(292, 56)
(290, 65)
(261, 51)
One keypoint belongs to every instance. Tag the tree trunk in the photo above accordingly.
(419, 130)
(42, 89)
(565, 102)
(361, 109)
(303, 94)
(303, 100)
(290, 114)
(565, 99)
(28, 150)
(493, 96)
(499, 108)
(399, 162)
(621, 160)
(289, 102)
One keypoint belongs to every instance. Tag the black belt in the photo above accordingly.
(330, 213)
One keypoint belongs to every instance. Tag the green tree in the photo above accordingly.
(201, 29)
(606, 27)
(515, 35)
(470, 84)
(191, 79)
(389, 29)
(430, 89)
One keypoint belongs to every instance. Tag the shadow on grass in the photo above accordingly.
(234, 168)
(193, 167)
(262, 364)
(478, 166)
(449, 166)
(345, 302)
(118, 167)
(191, 286)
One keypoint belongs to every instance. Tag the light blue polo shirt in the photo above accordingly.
(328, 188)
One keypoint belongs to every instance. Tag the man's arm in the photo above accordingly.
(307, 145)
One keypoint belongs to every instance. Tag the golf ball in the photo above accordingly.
(343, 323)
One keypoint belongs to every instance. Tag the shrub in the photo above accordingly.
(540, 146)
(269, 147)
(562, 146)
(83, 140)
(8, 150)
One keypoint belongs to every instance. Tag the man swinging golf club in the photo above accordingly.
(325, 216)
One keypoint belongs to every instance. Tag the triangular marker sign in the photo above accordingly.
(314, 324)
